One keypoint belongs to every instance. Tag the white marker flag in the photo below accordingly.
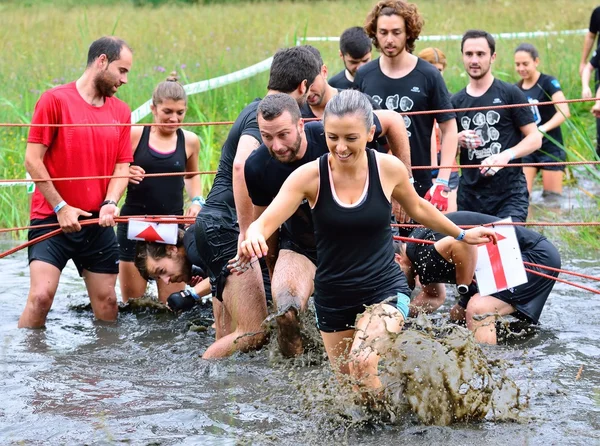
(152, 232)
(500, 266)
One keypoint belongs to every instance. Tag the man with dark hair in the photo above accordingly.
(54, 152)
(289, 143)
(239, 304)
(400, 81)
(449, 261)
(494, 137)
(355, 51)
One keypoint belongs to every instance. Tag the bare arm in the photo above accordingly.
(586, 74)
(394, 129)
(243, 203)
(193, 185)
(588, 42)
(562, 113)
(34, 164)
(449, 132)
(272, 243)
(114, 192)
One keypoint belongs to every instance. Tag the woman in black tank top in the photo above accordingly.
(350, 191)
(158, 149)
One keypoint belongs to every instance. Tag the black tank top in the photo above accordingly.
(355, 254)
(157, 195)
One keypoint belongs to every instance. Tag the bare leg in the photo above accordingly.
(223, 322)
(43, 279)
(530, 174)
(372, 331)
(337, 346)
(291, 286)
(552, 180)
(478, 321)
(244, 299)
(133, 285)
(101, 289)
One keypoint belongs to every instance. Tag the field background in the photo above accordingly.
(45, 43)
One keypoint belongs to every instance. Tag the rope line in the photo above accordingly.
(202, 124)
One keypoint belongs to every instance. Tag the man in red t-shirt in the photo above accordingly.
(55, 152)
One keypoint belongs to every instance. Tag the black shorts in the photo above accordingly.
(331, 320)
(216, 234)
(285, 242)
(428, 263)
(94, 248)
(502, 203)
(549, 153)
(529, 299)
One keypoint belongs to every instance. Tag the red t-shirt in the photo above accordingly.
(79, 151)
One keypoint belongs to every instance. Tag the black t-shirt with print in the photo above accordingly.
(499, 130)
(245, 124)
(265, 175)
(542, 91)
(340, 81)
(421, 89)
(595, 23)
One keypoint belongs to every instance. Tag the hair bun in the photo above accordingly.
(172, 77)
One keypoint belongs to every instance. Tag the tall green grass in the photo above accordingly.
(45, 43)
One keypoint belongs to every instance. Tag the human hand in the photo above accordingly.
(108, 213)
(480, 235)
(437, 195)
(492, 164)
(586, 92)
(138, 172)
(193, 210)
(596, 110)
(68, 218)
(469, 139)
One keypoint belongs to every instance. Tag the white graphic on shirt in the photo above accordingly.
(483, 128)
(395, 102)
(377, 99)
(535, 110)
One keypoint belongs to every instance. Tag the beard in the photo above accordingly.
(292, 153)
(481, 75)
(104, 84)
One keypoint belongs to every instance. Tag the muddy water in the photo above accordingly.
(141, 380)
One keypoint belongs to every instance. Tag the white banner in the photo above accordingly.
(152, 232)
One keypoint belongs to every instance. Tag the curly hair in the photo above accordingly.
(408, 11)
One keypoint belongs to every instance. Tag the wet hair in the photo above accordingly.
(153, 250)
(476, 34)
(413, 21)
(109, 46)
(291, 66)
(355, 43)
(169, 89)
(315, 53)
(350, 102)
(433, 56)
(274, 105)
(528, 48)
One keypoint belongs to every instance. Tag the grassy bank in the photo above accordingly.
(45, 44)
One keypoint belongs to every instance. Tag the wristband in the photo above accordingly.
(442, 181)
(461, 235)
(59, 206)
(512, 154)
(105, 202)
(192, 292)
(199, 200)
(411, 180)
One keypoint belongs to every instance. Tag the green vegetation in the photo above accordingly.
(45, 43)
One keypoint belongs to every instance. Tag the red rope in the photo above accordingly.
(591, 290)
(201, 124)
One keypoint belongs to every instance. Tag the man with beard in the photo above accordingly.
(497, 136)
(289, 143)
(239, 305)
(400, 81)
(54, 152)
(355, 51)
(449, 261)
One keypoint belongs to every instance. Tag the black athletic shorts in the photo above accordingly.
(285, 242)
(549, 153)
(94, 248)
(216, 234)
(343, 317)
(502, 203)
